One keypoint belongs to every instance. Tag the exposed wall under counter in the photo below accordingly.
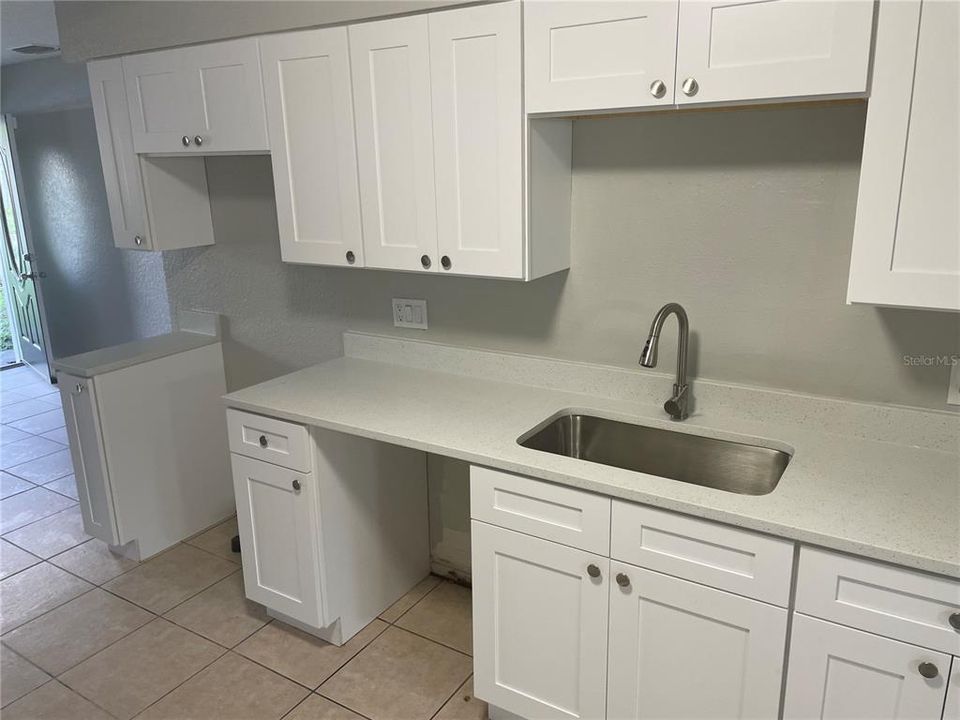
(745, 217)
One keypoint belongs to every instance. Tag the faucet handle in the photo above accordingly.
(676, 406)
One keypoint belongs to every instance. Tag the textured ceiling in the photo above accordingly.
(26, 22)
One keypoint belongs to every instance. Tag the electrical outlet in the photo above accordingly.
(410, 313)
(953, 394)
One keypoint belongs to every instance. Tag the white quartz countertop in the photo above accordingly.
(879, 499)
(116, 357)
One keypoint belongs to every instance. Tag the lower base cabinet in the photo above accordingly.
(539, 625)
(683, 650)
(838, 673)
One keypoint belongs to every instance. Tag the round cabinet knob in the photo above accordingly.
(954, 621)
(351, 258)
(79, 388)
(263, 441)
(593, 571)
(445, 262)
(928, 670)
(622, 580)
(658, 88)
(137, 240)
(198, 140)
(296, 484)
(185, 140)
(690, 87)
(425, 261)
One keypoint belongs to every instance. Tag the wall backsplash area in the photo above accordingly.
(745, 217)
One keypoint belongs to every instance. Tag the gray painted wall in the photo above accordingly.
(95, 295)
(745, 217)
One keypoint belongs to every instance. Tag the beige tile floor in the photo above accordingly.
(87, 635)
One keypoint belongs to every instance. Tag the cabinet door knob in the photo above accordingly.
(296, 484)
(658, 88)
(445, 262)
(198, 140)
(928, 670)
(690, 87)
(79, 388)
(351, 258)
(185, 140)
(623, 580)
(137, 240)
(954, 621)
(425, 261)
(263, 441)
(593, 571)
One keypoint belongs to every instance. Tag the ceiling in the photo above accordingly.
(26, 22)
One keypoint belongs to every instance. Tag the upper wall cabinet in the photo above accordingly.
(444, 186)
(601, 56)
(306, 78)
(202, 99)
(391, 85)
(583, 56)
(906, 250)
(154, 203)
(730, 51)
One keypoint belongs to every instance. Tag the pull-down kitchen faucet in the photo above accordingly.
(676, 406)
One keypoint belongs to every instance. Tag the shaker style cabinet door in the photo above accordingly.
(539, 625)
(82, 418)
(951, 709)
(390, 66)
(836, 673)
(211, 92)
(121, 166)
(683, 650)
(905, 247)
(279, 534)
(306, 79)
(737, 50)
(478, 144)
(599, 55)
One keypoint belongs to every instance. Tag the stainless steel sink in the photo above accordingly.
(722, 464)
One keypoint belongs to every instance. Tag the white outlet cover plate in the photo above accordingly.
(409, 313)
(953, 394)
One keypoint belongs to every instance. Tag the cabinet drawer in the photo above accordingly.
(564, 515)
(720, 556)
(883, 599)
(274, 441)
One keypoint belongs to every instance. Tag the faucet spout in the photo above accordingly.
(676, 406)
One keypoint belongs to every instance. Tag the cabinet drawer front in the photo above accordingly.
(883, 599)
(274, 441)
(538, 508)
(717, 555)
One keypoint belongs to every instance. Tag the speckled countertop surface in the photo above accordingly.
(117, 357)
(883, 500)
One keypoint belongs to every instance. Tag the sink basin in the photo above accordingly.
(736, 467)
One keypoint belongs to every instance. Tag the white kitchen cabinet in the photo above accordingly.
(478, 139)
(539, 625)
(599, 55)
(333, 528)
(951, 709)
(147, 441)
(906, 250)
(836, 672)
(683, 650)
(276, 515)
(95, 494)
(306, 79)
(202, 99)
(745, 50)
(390, 62)
(154, 203)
